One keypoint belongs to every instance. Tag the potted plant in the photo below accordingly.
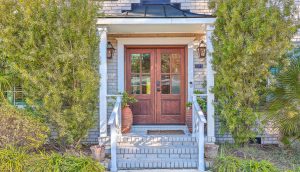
(189, 115)
(127, 116)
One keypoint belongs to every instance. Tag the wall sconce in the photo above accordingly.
(110, 50)
(202, 49)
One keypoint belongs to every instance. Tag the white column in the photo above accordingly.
(190, 71)
(102, 31)
(210, 84)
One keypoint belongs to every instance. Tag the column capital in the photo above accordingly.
(101, 29)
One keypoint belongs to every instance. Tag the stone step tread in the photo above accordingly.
(157, 163)
(163, 150)
(158, 138)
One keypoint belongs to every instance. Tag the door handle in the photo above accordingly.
(158, 86)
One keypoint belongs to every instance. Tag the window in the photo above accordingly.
(16, 96)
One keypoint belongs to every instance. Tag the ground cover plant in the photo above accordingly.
(279, 158)
(20, 160)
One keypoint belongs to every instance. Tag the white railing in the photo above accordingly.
(198, 131)
(115, 123)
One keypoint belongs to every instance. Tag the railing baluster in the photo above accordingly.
(115, 122)
(198, 131)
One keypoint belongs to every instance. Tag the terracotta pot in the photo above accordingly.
(98, 152)
(211, 150)
(189, 118)
(127, 119)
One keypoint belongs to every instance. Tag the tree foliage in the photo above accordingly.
(284, 100)
(250, 36)
(52, 44)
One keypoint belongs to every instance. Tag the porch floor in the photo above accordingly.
(142, 130)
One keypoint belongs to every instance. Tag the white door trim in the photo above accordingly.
(122, 42)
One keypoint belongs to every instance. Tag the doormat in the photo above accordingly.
(165, 132)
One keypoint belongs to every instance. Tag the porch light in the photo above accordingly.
(110, 50)
(202, 49)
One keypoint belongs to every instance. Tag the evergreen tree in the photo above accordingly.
(250, 37)
(52, 44)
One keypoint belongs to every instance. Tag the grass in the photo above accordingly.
(283, 158)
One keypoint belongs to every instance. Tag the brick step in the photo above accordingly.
(142, 163)
(161, 144)
(160, 156)
(158, 150)
(156, 139)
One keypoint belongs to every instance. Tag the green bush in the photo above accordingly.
(19, 129)
(13, 159)
(233, 164)
(19, 160)
(64, 163)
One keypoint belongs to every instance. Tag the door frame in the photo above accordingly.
(186, 71)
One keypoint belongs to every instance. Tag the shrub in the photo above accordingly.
(233, 164)
(19, 160)
(284, 101)
(19, 129)
(54, 51)
(250, 37)
(13, 159)
(68, 163)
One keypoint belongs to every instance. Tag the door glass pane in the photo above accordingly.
(135, 84)
(175, 63)
(135, 63)
(165, 84)
(146, 84)
(175, 84)
(146, 63)
(165, 63)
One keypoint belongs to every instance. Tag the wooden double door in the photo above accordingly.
(156, 78)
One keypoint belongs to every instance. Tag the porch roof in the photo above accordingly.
(144, 10)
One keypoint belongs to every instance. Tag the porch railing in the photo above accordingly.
(198, 131)
(115, 123)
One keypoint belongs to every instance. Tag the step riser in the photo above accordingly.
(187, 144)
(159, 156)
(158, 151)
(157, 165)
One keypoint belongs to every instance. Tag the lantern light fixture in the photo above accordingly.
(202, 49)
(110, 50)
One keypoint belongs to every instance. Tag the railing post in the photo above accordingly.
(201, 160)
(113, 141)
(193, 116)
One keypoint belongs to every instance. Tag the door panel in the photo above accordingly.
(156, 78)
(170, 100)
(140, 84)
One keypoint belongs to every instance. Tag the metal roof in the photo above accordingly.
(164, 10)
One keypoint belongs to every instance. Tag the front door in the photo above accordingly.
(156, 77)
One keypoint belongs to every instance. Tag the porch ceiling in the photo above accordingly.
(155, 25)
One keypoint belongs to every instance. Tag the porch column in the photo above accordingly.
(102, 31)
(210, 84)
